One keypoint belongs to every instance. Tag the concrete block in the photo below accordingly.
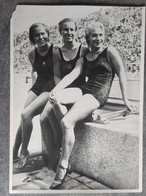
(108, 153)
(108, 156)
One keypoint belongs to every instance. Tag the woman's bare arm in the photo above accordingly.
(118, 67)
(56, 65)
(31, 57)
(68, 79)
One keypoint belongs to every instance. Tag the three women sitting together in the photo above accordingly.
(72, 81)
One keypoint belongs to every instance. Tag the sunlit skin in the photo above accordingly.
(68, 32)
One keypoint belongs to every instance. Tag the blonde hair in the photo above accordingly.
(92, 26)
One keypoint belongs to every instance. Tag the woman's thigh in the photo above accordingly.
(82, 108)
(47, 110)
(68, 95)
(30, 98)
(37, 106)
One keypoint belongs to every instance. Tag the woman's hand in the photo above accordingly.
(131, 106)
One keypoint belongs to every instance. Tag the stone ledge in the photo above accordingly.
(107, 156)
(107, 153)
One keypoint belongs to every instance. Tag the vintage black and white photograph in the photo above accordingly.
(76, 100)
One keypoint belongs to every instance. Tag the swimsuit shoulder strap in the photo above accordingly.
(61, 55)
(51, 48)
(78, 53)
(84, 59)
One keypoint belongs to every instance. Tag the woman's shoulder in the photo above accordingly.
(31, 53)
(56, 53)
(84, 47)
(112, 54)
(111, 49)
(84, 50)
(55, 48)
(31, 56)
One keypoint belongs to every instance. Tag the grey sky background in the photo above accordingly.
(25, 16)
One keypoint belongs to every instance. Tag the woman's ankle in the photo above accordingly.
(63, 163)
(24, 152)
(15, 153)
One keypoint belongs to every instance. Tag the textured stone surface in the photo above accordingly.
(108, 153)
(110, 157)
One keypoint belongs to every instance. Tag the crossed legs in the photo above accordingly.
(83, 105)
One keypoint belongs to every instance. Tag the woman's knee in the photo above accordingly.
(56, 101)
(67, 124)
(56, 104)
(43, 118)
(25, 117)
(46, 114)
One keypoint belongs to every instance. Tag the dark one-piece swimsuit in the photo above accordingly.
(100, 76)
(43, 65)
(67, 66)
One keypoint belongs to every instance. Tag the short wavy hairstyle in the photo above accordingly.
(60, 24)
(89, 29)
(32, 31)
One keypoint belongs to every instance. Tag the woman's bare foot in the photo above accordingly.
(22, 160)
(15, 155)
(15, 159)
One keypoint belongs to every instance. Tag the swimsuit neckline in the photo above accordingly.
(73, 58)
(46, 53)
(96, 57)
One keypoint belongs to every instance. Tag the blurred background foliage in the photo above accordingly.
(123, 30)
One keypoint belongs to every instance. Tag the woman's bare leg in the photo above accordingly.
(35, 108)
(48, 119)
(18, 140)
(80, 110)
(52, 134)
(63, 98)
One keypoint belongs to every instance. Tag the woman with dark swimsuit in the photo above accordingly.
(99, 65)
(42, 78)
(64, 60)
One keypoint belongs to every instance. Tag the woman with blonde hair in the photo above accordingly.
(100, 66)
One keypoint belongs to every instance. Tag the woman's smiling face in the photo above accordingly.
(40, 36)
(96, 37)
(68, 31)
